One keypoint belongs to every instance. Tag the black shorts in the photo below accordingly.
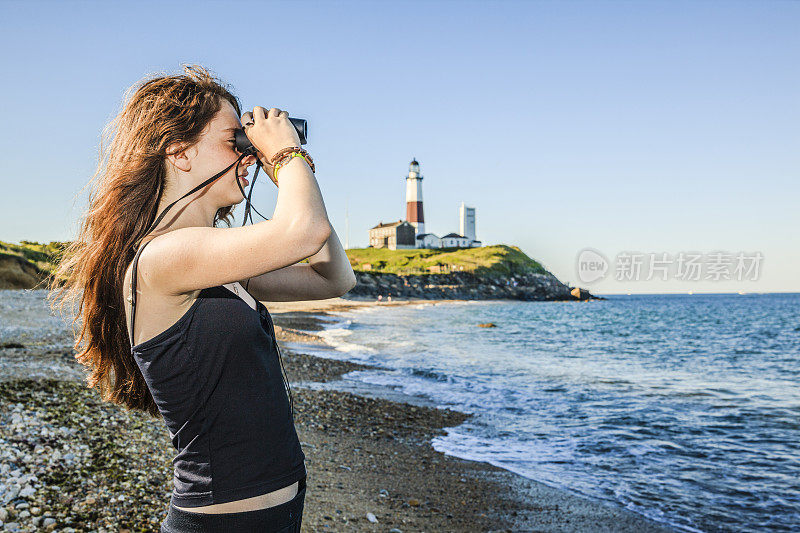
(283, 518)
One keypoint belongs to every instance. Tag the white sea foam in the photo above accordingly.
(337, 339)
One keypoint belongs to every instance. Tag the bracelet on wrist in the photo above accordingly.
(286, 159)
(280, 154)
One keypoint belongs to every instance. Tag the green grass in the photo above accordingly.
(42, 256)
(494, 261)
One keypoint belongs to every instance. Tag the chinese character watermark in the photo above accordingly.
(593, 266)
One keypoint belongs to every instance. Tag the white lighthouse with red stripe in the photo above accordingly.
(414, 197)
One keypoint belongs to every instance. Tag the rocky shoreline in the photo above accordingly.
(466, 286)
(70, 462)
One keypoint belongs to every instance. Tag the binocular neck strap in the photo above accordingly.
(160, 217)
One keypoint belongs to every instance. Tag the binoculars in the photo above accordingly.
(243, 144)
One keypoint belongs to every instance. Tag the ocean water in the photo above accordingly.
(683, 408)
(27, 318)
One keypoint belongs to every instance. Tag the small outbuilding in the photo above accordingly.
(393, 235)
(428, 240)
(454, 240)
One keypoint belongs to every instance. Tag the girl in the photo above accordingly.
(167, 326)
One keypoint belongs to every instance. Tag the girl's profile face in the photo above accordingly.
(215, 150)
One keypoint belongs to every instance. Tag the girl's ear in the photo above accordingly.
(180, 156)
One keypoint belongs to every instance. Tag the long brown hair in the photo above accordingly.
(125, 193)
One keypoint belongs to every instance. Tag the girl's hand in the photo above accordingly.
(269, 132)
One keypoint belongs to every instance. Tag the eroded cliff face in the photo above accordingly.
(464, 286)
(17, 273)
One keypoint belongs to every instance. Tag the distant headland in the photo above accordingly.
(480, 273)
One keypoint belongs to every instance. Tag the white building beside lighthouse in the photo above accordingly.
(466, 221)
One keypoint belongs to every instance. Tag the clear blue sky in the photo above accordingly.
(631, 126)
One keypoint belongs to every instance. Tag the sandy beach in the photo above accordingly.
(69, 462)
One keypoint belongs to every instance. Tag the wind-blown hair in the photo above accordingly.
(125, 193)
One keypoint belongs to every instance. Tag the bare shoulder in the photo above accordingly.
(159, 261)
(153, 259)
(156, 308)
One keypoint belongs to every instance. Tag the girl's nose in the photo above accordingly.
(248, 160)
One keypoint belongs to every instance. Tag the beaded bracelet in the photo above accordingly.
(277, 156)
(294, 153)
(288, 158)
(281, 155)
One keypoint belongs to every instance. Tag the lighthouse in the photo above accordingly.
(414, 197)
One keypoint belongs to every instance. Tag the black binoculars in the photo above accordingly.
(244, 146)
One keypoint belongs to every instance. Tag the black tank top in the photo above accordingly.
(216, 379)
